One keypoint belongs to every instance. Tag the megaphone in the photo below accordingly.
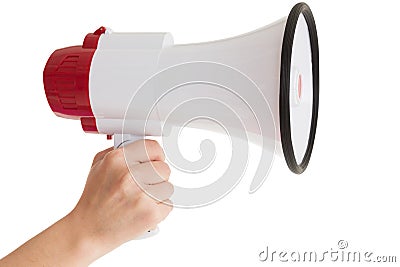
(111, 81)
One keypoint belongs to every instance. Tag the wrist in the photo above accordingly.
(83, 244)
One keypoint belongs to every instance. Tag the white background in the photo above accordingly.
(350, 190)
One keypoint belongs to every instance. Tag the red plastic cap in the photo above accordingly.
(66, 81)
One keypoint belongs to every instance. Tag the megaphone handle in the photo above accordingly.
(119, 141)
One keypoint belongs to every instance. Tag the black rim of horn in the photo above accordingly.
(284, 107)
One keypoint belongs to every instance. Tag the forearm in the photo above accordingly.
(62, 244)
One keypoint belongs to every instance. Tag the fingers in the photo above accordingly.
(153, 213)
(99, 156)
(153, 172)
(137, 152)
(165, 208)
(146, 160)
(126, 207)
(143, 151)
(160, 192)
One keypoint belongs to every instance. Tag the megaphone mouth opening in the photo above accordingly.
(296, 163)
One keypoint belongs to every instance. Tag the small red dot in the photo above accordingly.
(299, 86)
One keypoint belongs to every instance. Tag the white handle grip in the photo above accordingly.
(119, 141)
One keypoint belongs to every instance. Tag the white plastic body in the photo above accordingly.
(123, 61)
(121, 140)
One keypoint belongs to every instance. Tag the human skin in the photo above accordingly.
(114, 208)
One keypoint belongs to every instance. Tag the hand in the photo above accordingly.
(115, 207)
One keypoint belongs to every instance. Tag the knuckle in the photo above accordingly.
(125, 181)
(115, 157)
(171, 188)
(169, 205)
(165, 168)
(97, 156)
(162, 169)
(122, 187)
(151, 144)
(153, 148)
(151, 215)
(135, 185)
